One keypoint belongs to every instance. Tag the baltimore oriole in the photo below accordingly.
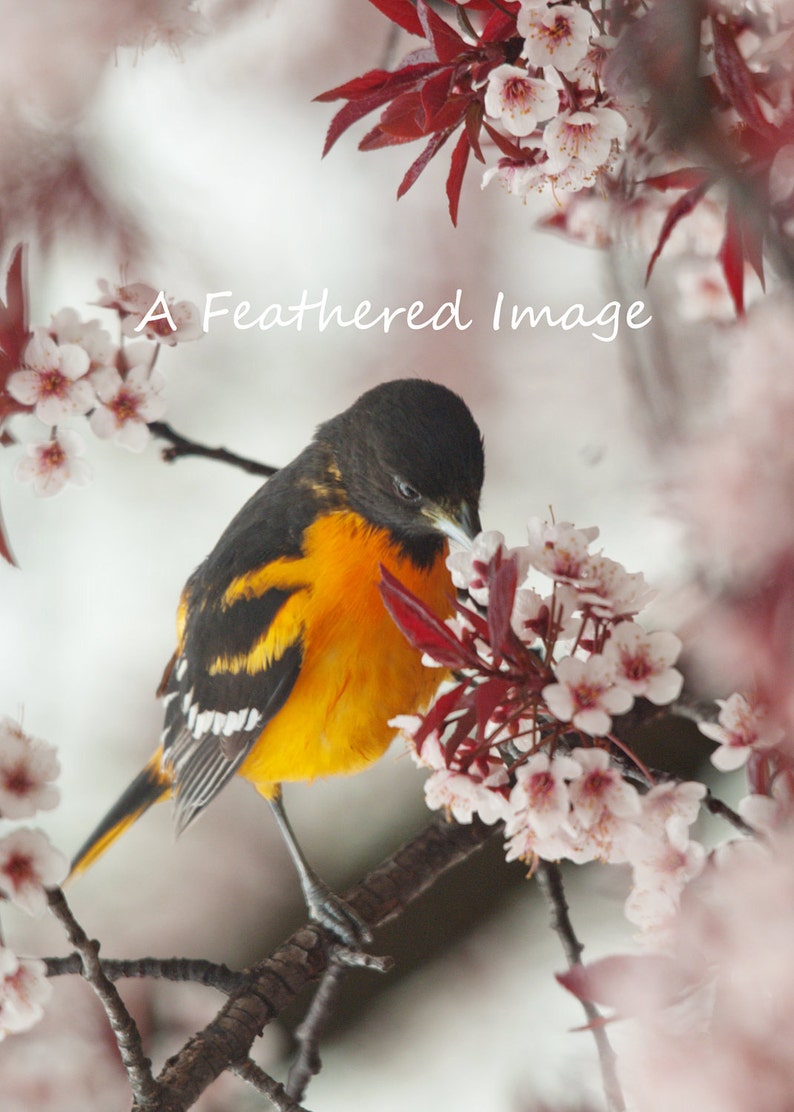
(288, 666)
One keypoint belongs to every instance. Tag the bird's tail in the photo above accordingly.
(149, 786)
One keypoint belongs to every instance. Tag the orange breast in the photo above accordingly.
(358, 670)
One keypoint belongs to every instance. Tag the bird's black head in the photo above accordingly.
(410, 458)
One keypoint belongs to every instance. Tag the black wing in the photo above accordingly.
(214, 715)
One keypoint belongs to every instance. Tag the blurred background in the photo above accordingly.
(198, 163)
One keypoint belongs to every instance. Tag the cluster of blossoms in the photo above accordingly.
(597, 105)
(28, 864)
(556, 85)
(547, 653)
(73, 369)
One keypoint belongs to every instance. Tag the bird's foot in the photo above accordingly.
(349, 931)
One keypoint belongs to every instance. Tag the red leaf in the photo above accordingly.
(381, 91)
(401, 12)
(736, 77)
(457, 168)
(446, 42)
(488, 695)
(460, 733)
(434, 95)
(376, 140)
(731, 258)
(437, 715)
(502, 585)
(402, 118)
(421, 626)
(508, 148)
(632, 984)
(688, 177)
(14, 330)
(682, 207)
(357, 87)
(474, 118)
(500, 26)
(416, 167)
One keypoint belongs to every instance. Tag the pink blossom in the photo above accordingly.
(551, 617)
(559, 550)
(609, 591)
(68, 328)
(606, 838)
(662, 867)
(585, 694)
(469, 567)
(667, 802)
(463, 796)
(128, 404)
(556, 36)
(741, 727)
(541, 791)
(642, 662)
(733, 1052)
(584, 136)
(52, 380)
(27, 767)
(770, 812)
(600, 787)
(28, 864)
(52, 463)
(171, 323)
(24, 989)
(518, 100)
(518, 178)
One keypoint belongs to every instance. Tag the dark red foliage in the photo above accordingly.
(503, 683)
(439, 91)
(14, 335)
(433, 97)
(423, 629)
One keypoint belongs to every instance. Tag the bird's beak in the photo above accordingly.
(461, 525)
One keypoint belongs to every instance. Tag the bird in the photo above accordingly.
(288, 666)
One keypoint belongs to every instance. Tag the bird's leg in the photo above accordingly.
(326, 908)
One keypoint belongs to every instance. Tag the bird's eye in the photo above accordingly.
(406, 491)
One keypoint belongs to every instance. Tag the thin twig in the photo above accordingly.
(181, 446)
(263, 1083)
(308, 1063)
(717, 806)
(549, 878)
(138, 1067)
(194, 970)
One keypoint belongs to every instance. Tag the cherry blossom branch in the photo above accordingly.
(181, 446)
(128, 1039)
(549, 878)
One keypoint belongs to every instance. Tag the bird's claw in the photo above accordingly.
(330, 911)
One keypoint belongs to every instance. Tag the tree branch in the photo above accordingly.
(181, 446)
(225, 1042)
(308, 1063)
(128, 1039)
(263, 1083)
(195, 970)
(549, 878)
